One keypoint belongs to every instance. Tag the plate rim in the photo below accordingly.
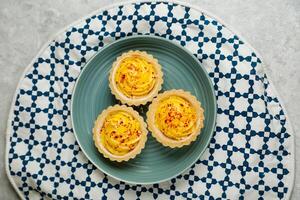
(210, 86)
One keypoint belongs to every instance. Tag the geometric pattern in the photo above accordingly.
(249, 157)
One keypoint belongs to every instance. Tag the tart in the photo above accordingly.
(175, 118)
(135, 78)
(119, 133)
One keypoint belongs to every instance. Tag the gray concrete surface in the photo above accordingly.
(271, 26)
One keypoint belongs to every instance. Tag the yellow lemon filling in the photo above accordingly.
(136, 76)
(120, 133)
(175, 117)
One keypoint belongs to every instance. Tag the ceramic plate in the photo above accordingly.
(92, 94)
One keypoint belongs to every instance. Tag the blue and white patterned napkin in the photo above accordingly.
(250, 156)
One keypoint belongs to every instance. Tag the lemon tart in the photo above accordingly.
(175, 118)
(135, 78)
(119, 133)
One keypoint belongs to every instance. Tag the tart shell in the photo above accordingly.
(97, 129)
(140, 100)
(158, 135)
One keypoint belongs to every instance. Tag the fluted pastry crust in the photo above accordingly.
(161, 129)
(135, 78)
(139, 142)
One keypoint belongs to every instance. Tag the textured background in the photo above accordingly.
(271, 26)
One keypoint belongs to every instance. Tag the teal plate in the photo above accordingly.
(156, 163)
